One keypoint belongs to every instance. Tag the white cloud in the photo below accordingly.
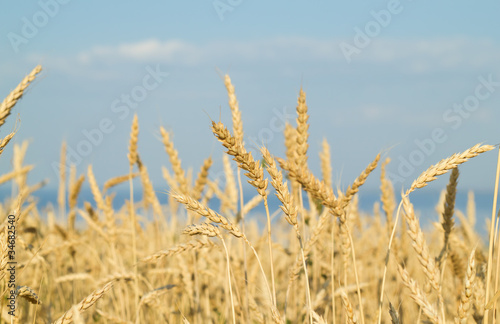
(410, 56)
(441, 52)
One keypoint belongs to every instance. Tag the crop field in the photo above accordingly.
(317, 259)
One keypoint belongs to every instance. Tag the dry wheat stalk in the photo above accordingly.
(387, 198)
(175, 161)
(420, 245)
(354, 188)
(194, 245)
(85, 304)
(317, 319)
(204, 211)
(16, 94)
(326, 163)
(134, 136)
(235, 111)
(449, 206)
(447, 164)
(302, 130)
(100, 202)
(276, 316)
(202, 229)
(117, 180)
(288, 207)
(418, 296)
(74, 190)
(151, 296)
(310, 183)
(6, 140)
(351, 317)
(244, 159)
(201, 180)
(464, 307)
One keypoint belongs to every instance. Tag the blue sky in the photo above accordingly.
(421, 81)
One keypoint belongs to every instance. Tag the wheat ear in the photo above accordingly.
(133, 158)
(418, 296)
(289, 209)
(449, 206)
(326, 167)
(302, 130)
(6, 140)
(464, 307)
(175, 161)
(211, 231)
(354, 188)
(447, 164)
(195, 245)
(201, 180)
(223, 222)
(351, 317)
(420, 246)
(310, 183)
(244, 159)
(211, 215)
(74, 190)
(16, 94)
(235, 110)
(85, 304)
(288, 206)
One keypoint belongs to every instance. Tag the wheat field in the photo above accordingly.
(321, 259)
